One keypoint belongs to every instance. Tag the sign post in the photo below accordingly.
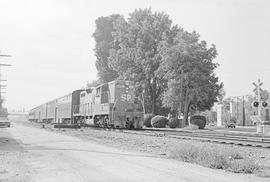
(257, 92)
(261, 97)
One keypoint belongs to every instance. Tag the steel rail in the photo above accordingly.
(223, 138)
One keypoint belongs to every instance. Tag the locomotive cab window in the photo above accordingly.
(98, 92)
(104, 93)
(82, 95)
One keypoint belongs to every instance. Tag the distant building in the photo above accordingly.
(245, 111)
(222, 114)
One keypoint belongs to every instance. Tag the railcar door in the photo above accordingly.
(55, 115)
(39, 116)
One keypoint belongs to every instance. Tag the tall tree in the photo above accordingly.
(188, 65)
(105, 42)
(138, 57)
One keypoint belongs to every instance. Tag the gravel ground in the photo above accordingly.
(162, 145)
(12, 166)
(158, 144)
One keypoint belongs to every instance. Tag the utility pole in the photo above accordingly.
(2, 86)
(238, 109)
(244, 113)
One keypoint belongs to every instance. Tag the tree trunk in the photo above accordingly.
(180, 98)
(143, 104)
(186, 107)
(186, 110)
(153, 98)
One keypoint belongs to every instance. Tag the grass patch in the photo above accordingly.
(243, 166)
(264, 173)
(215, 158)
(191, 127)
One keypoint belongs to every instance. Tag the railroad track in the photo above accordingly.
(242, 139)
(224, 138)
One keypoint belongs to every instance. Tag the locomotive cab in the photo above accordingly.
(111, 105)
(125, 112)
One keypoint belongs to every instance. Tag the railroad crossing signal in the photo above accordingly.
(257, 87)
(262, 96)
(259, 92)
(255, 104)
(264, 104)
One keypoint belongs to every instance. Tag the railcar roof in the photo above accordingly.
(54, 100)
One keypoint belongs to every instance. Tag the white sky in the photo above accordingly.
(52, 47)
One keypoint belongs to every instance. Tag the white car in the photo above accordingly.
(4, 122)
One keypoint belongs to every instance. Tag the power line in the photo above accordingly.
(2, 86)
(5, 55)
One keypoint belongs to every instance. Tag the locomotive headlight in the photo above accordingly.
(126, 89)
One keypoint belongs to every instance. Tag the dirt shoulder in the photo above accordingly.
(12, 164)
(161, 145)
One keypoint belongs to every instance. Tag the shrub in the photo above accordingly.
(159, 121)
(186, 153)
(265, 173)
(233, 120)
(198, 120)
(174, 122)
(147, 119)
(215, 158)
(243, 166)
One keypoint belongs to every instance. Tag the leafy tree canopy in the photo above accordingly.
(105, 42)
(138, 57)
(188, 65)
(172, 68)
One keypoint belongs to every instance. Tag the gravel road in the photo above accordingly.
(56, 157)
(12, 165)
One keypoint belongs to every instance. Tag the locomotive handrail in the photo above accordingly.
(114, 106)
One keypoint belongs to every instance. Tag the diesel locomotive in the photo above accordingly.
(113, 104)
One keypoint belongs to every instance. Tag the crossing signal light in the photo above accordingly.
(264, 104)
(255, 104)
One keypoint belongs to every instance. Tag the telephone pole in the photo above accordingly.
(2, 86)
(238, 113)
